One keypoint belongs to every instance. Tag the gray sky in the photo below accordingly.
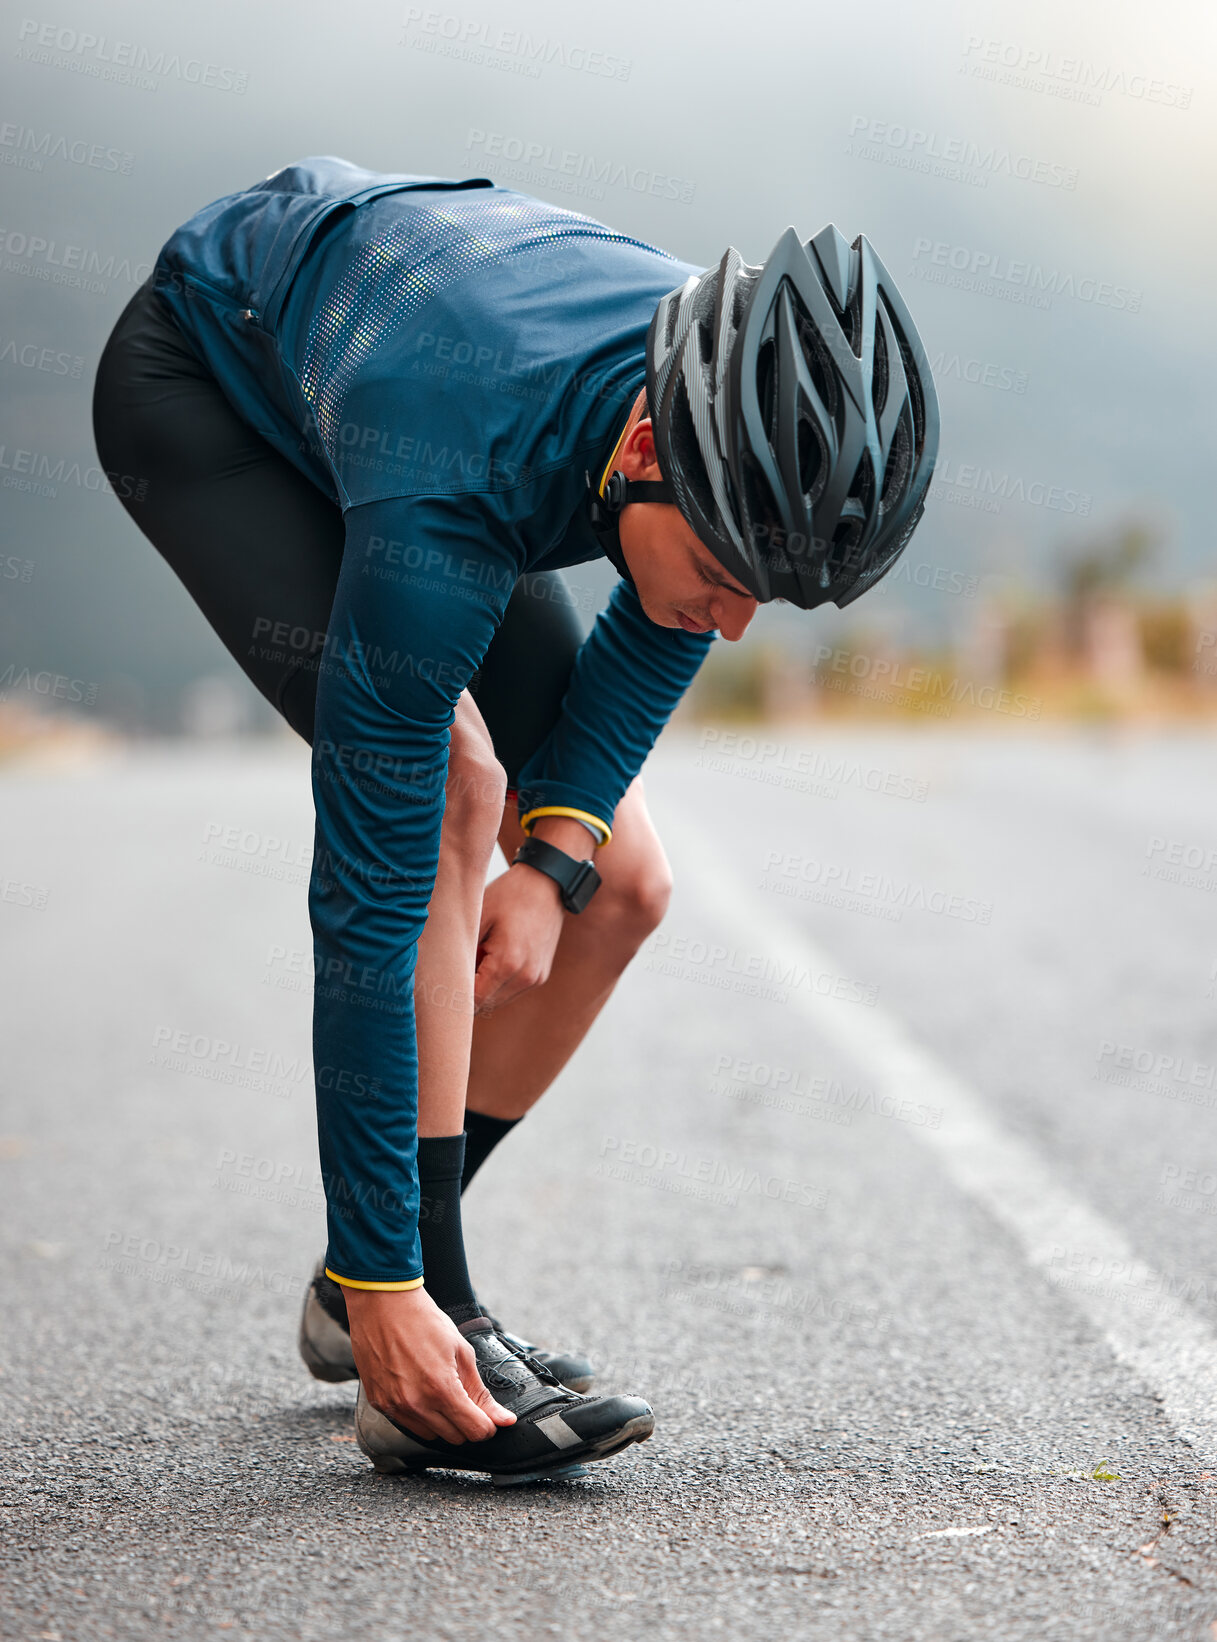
(1066, 149)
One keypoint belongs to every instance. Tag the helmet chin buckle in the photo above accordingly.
(619, 491)
(604, 511)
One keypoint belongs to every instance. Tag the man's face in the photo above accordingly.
(680, 583)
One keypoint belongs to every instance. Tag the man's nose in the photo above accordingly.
(733, 615)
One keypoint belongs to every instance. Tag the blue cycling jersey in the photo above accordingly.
(445, 359)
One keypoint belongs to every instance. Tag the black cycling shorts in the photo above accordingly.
(255, 542)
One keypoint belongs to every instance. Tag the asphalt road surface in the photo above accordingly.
(888, 1175)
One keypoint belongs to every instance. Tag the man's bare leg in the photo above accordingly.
(519, 1048)
(447, 947)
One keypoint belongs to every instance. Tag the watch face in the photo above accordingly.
(583, 885)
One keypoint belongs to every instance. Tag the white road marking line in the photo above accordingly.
(956, 1533)
(1148, 1328)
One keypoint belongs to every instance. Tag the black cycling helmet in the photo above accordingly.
(795, 417)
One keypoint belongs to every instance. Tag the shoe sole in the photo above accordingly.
(575, 1465)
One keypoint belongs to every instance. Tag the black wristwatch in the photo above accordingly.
(577, 881)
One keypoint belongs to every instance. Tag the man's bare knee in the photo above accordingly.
(636, 899)
(475, 793)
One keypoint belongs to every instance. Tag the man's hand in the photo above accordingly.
(522, 915)
(418, 1368)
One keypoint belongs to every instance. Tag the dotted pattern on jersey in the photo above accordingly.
(381, 290)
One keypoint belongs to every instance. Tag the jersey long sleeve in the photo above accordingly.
(628, 677)
(423, 585)
(401, 646)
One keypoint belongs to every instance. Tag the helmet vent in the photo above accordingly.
(843, 554)
(766, 387)
(879, 371)
(818, 363)
(862, 491)
(682, 440)
(899, 461)
(812, 459)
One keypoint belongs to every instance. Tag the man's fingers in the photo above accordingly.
(427, 1425)
(492, 983)
(444, 1428)
(471, 1380)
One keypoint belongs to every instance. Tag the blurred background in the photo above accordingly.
(1038, 181)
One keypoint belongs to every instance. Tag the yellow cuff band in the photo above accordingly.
(351, 1283)
(564, 809)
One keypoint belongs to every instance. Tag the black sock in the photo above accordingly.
(482, 1135)
(446, 1276)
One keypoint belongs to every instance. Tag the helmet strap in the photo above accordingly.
(604, 510)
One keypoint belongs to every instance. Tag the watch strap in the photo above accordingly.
(577, 881)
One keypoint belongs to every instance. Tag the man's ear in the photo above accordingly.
(643, 439)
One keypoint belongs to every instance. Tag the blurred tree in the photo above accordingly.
(1100, 570)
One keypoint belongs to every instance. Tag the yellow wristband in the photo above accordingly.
(565, 809)
(353, 1283)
